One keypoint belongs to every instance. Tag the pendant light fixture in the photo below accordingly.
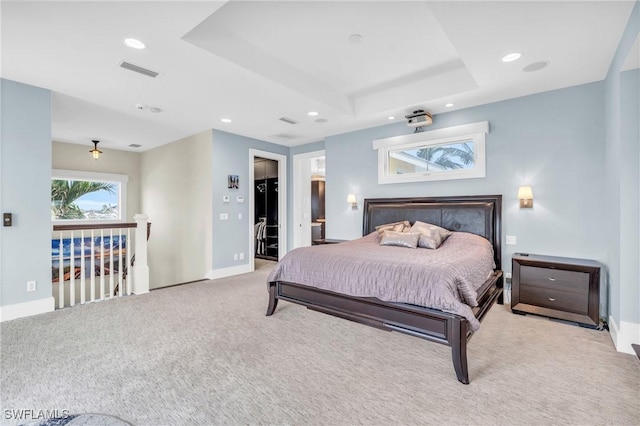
(95, 151)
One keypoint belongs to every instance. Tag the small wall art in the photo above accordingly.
(233, 182)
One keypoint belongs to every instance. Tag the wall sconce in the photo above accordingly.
(95, 151)
(526, 197)
(351, 199)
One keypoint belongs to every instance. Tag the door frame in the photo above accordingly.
(282, 202)
(301, 188)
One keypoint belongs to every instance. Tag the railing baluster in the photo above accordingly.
(120, 263)
(72, 272)
(128, 262)
(82, 272)
(92, 280)
(61, 271)
(110, 263)
(102, 264)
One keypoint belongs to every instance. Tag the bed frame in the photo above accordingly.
(479, 215)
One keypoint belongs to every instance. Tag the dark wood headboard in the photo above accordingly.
(476, 214)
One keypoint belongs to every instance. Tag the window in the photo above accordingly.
(450, 153)
(88, 197)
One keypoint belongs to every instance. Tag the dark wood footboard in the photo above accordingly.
(430, 324)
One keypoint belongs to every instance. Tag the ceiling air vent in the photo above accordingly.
(135, 145)
(139, 70)
(288, 120)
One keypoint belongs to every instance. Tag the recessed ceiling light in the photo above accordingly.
(536, 66)
(225, 120)
(155, 109)
(312, 113)
(134, 43)
(511, 57)
(449, 105)
(356, 38)
(391, 117)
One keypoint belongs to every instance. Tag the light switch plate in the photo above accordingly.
(511, 240)
(224, 216)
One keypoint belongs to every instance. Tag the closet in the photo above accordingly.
(265, 174)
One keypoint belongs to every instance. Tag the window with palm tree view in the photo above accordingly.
(83, 199)
(448, 153)
(447, 156)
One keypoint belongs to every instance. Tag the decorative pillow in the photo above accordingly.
(400, 239)
(403, 226)
(431, 236)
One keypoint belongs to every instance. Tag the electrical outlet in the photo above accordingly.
(224, 216)
(241, 256)
(239, 216)
(235, 256)
(31, 286)
(511, 240)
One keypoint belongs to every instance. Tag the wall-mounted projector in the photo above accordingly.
(418, 118)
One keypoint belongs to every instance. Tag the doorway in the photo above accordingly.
(265, 190)
(268, 203)
(309, 188)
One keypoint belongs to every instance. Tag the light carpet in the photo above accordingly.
(205, 354)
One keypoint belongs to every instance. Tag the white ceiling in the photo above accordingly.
(254, 62)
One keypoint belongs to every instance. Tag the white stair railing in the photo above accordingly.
(98, 262)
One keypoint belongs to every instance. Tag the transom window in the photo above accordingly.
(450, 153)
(79, 197)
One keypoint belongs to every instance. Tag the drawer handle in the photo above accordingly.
(552, 299)
(552, 279)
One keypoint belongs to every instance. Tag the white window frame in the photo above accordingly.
(474, 132)
(94, 177)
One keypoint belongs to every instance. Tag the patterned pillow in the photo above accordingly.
(400, 239)
(431, 236)
(402, 226)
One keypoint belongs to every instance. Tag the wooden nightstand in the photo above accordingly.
(556, 287)
(327, 241)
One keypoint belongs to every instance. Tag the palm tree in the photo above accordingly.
(449, 157)
(64, 193)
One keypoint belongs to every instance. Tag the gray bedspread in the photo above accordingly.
(445, 279)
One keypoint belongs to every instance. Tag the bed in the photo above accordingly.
(476, 215)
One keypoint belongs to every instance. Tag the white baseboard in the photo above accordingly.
(228, 272)
(624, 335)
(27, 309)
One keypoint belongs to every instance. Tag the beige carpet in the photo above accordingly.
(205, 354)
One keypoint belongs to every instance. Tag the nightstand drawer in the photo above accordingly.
(571, 281)
(553, 298)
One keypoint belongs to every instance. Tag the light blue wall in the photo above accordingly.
(25, 191)
(552, 141)
(310, 147)
(629, 194)
(621, 164)
(231, 157)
